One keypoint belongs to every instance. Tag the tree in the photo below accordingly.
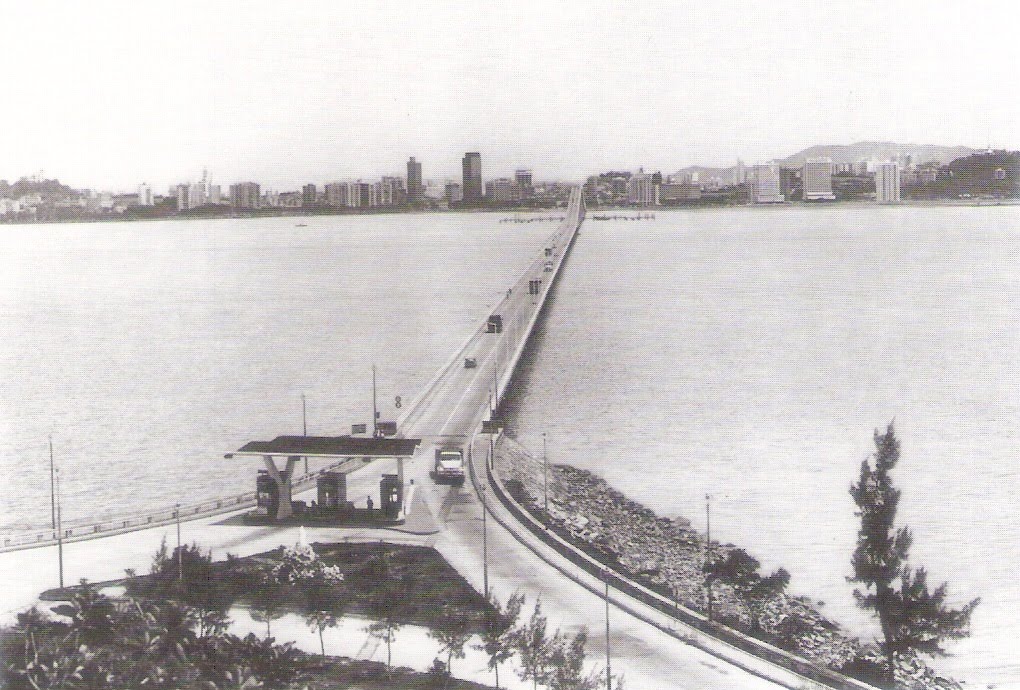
(740, 570)
(566, 664)
(268, 603)
(500, 635)
(533, 647)
(324, 605)
(452, 631)
(912, 619)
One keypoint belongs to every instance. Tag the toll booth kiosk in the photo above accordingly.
(391, 495)
(274, 485)
(332, 492)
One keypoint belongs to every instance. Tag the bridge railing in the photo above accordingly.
(812, 674)
(135, 521)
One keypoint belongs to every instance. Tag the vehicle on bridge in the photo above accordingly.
(495, 324)
(548, 266)
(470, 363)
(449, 467)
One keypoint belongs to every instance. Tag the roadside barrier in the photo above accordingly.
(810, 673)
(164, 516)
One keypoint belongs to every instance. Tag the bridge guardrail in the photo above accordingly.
(133, 522)
(810, 672)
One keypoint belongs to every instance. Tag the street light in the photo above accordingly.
(545, 471)
(304, 425)
(180, 561)
(485, 542)
(708, 552)
(60, 528)
(609, 672)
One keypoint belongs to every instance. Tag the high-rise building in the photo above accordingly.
(502, 190)
(765, 185)
(454, 193)
(642, 190)
(183, 197)
(215, 195)
(817, 178)
(144, 195)
(245, 195)
(472, 166)
(415, 189)
(739, 174)
(524, 183)
(397, 189)
(309, 194)
(887, 182)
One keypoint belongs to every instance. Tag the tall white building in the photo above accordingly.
(765, 185)
(144, 195)
(641, 190)
(817, 177)
(887, 182)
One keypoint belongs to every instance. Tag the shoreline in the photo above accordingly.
(667, 555)
(693, 207)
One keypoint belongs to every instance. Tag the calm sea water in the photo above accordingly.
(747, 354)
(750, 354)
(148, 350)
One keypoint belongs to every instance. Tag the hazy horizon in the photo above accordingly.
(109, 95)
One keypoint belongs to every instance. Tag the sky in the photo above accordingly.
(110, 94)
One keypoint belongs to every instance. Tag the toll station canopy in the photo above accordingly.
(331, 446)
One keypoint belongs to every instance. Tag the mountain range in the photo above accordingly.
(851, 153)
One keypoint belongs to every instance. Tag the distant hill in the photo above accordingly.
(880, 150)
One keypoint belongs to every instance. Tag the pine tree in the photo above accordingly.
(912, 619)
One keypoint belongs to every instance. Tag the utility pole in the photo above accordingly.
(485, 543)
(609, 672)
(60, 536)
(180, 561)
(375, 412)
(708, 552)
(53, 491)
(304, 425)
(545, 472)
(495, 377)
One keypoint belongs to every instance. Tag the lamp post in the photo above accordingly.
(180, 561)
(708, 552)
(609, 672)
(545, 473)
(53, 491)
(304, 425)
(485, 543)
(60, 534)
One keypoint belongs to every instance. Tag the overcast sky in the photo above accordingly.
(107, 95)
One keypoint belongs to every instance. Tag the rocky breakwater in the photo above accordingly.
(668, 556)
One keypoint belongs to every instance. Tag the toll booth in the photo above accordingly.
(274, 485)
(390, 495)
(267, 495)
(332, 489)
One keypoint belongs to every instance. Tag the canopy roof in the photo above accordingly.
(331, 447)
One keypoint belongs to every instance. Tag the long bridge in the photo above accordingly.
(476, 527)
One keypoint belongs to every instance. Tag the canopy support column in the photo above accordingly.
(283, 484)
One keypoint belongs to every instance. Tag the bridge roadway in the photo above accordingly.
(450, 409)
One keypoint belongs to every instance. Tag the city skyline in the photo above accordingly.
(565, 89)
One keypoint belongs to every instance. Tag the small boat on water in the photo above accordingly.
(301, 225)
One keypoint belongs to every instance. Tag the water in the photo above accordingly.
(747, 354)
(750, 354)
(149, 350)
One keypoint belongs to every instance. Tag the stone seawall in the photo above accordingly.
(668, 556)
